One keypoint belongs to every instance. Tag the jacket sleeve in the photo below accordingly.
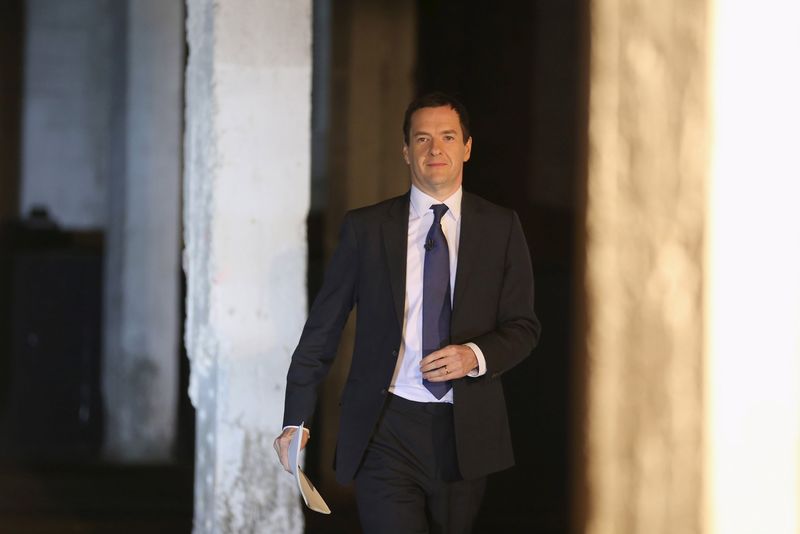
(319, 341)
(517, 329)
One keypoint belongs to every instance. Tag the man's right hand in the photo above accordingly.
(281, 445)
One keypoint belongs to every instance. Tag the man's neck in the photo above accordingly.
(440, 195)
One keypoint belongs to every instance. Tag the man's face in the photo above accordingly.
(436, 151)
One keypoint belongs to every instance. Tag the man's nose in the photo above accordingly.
(435, 147)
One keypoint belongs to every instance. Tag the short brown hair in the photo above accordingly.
(434, 100)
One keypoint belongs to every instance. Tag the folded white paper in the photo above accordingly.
(310, 494)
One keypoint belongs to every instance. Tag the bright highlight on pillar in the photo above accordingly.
(753, 279)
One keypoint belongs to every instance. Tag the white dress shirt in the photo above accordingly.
(407, 378)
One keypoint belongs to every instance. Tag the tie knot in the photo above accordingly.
(438, 211)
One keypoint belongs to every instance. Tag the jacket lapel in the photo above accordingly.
(394, 231)
(468, 249)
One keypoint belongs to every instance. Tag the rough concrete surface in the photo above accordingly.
(648, 164)
(246, 193)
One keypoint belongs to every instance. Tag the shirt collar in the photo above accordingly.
(421, 203)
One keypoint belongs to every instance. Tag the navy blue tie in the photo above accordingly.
(436, 295)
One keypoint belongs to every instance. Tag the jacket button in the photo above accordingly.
(384, 392)
(394, 353)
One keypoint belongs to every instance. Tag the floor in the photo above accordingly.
(100, 498)
(95, 499)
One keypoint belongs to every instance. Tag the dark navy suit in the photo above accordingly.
(493, 306)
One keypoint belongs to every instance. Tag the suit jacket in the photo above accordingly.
(492, 307)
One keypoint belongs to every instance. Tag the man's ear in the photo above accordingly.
(405, 154)
(468, 149)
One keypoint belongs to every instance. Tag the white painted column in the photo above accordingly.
(247, 181)
(66, 110)
(753, 280)
(142, 271)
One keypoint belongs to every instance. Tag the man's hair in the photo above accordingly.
(435, 100)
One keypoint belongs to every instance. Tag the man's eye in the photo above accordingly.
(421, 139)
(449, 137)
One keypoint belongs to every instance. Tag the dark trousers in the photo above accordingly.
(409, 481)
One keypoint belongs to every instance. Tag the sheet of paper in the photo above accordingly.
(311, 496)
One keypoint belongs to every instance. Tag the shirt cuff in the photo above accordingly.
(296, 426)
(481, 370)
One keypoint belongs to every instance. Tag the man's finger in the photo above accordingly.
(448, 371)
(284, 440)
(281, 445)
(283, 454)
(436, 359)
(433, 366)
(444, 351)
(430, 359)
(436, 372)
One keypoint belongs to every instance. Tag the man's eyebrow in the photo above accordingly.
(417, 134)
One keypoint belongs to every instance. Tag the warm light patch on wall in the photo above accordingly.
(645, 222)
(753, 276)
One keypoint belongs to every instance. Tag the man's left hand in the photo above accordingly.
(448, 363)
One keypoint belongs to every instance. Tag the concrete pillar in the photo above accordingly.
(246, 197)
(647, 168)
(142, 272)
(66, 110)
(752, 281)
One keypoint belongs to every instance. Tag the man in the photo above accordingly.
(443, 288)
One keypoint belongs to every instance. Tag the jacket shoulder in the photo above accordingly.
(486, 207)
(380, 210)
